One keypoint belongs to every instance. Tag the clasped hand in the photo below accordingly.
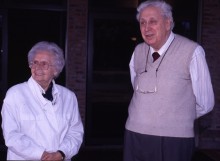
(51, 156)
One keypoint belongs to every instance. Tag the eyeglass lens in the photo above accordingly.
(43, 64)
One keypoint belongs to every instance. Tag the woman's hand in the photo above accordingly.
(51, 156)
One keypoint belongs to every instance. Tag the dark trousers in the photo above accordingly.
(140, 147)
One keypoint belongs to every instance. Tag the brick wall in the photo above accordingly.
(210, 39)
(76, 50)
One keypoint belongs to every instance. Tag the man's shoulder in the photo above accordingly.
(185, 39)
(141, 47)
(185, 43)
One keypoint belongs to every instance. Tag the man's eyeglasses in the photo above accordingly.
(43, 65)
(138, 89)
(146, 82)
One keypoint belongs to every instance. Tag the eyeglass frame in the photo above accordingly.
(43, 65)
(147, 91)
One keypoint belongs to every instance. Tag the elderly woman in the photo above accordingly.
(40, 119)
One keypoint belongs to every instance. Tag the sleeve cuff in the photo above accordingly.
(62, 153)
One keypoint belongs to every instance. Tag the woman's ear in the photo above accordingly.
(55, 74)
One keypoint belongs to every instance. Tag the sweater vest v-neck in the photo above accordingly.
(171, 110)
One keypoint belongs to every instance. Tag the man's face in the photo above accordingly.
(154, 27)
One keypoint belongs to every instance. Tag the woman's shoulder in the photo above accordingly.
(64, 90)
(18, 87)
(17, 90)
(65, 93)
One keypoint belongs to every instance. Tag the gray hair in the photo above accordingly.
(53, 49)
(166, 9)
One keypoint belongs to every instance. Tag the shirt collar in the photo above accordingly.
(162, 50)
(38, 90)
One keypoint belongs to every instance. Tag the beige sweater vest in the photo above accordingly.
(171, 110)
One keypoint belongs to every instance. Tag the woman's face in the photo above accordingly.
(155, 28)
(43, 69)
